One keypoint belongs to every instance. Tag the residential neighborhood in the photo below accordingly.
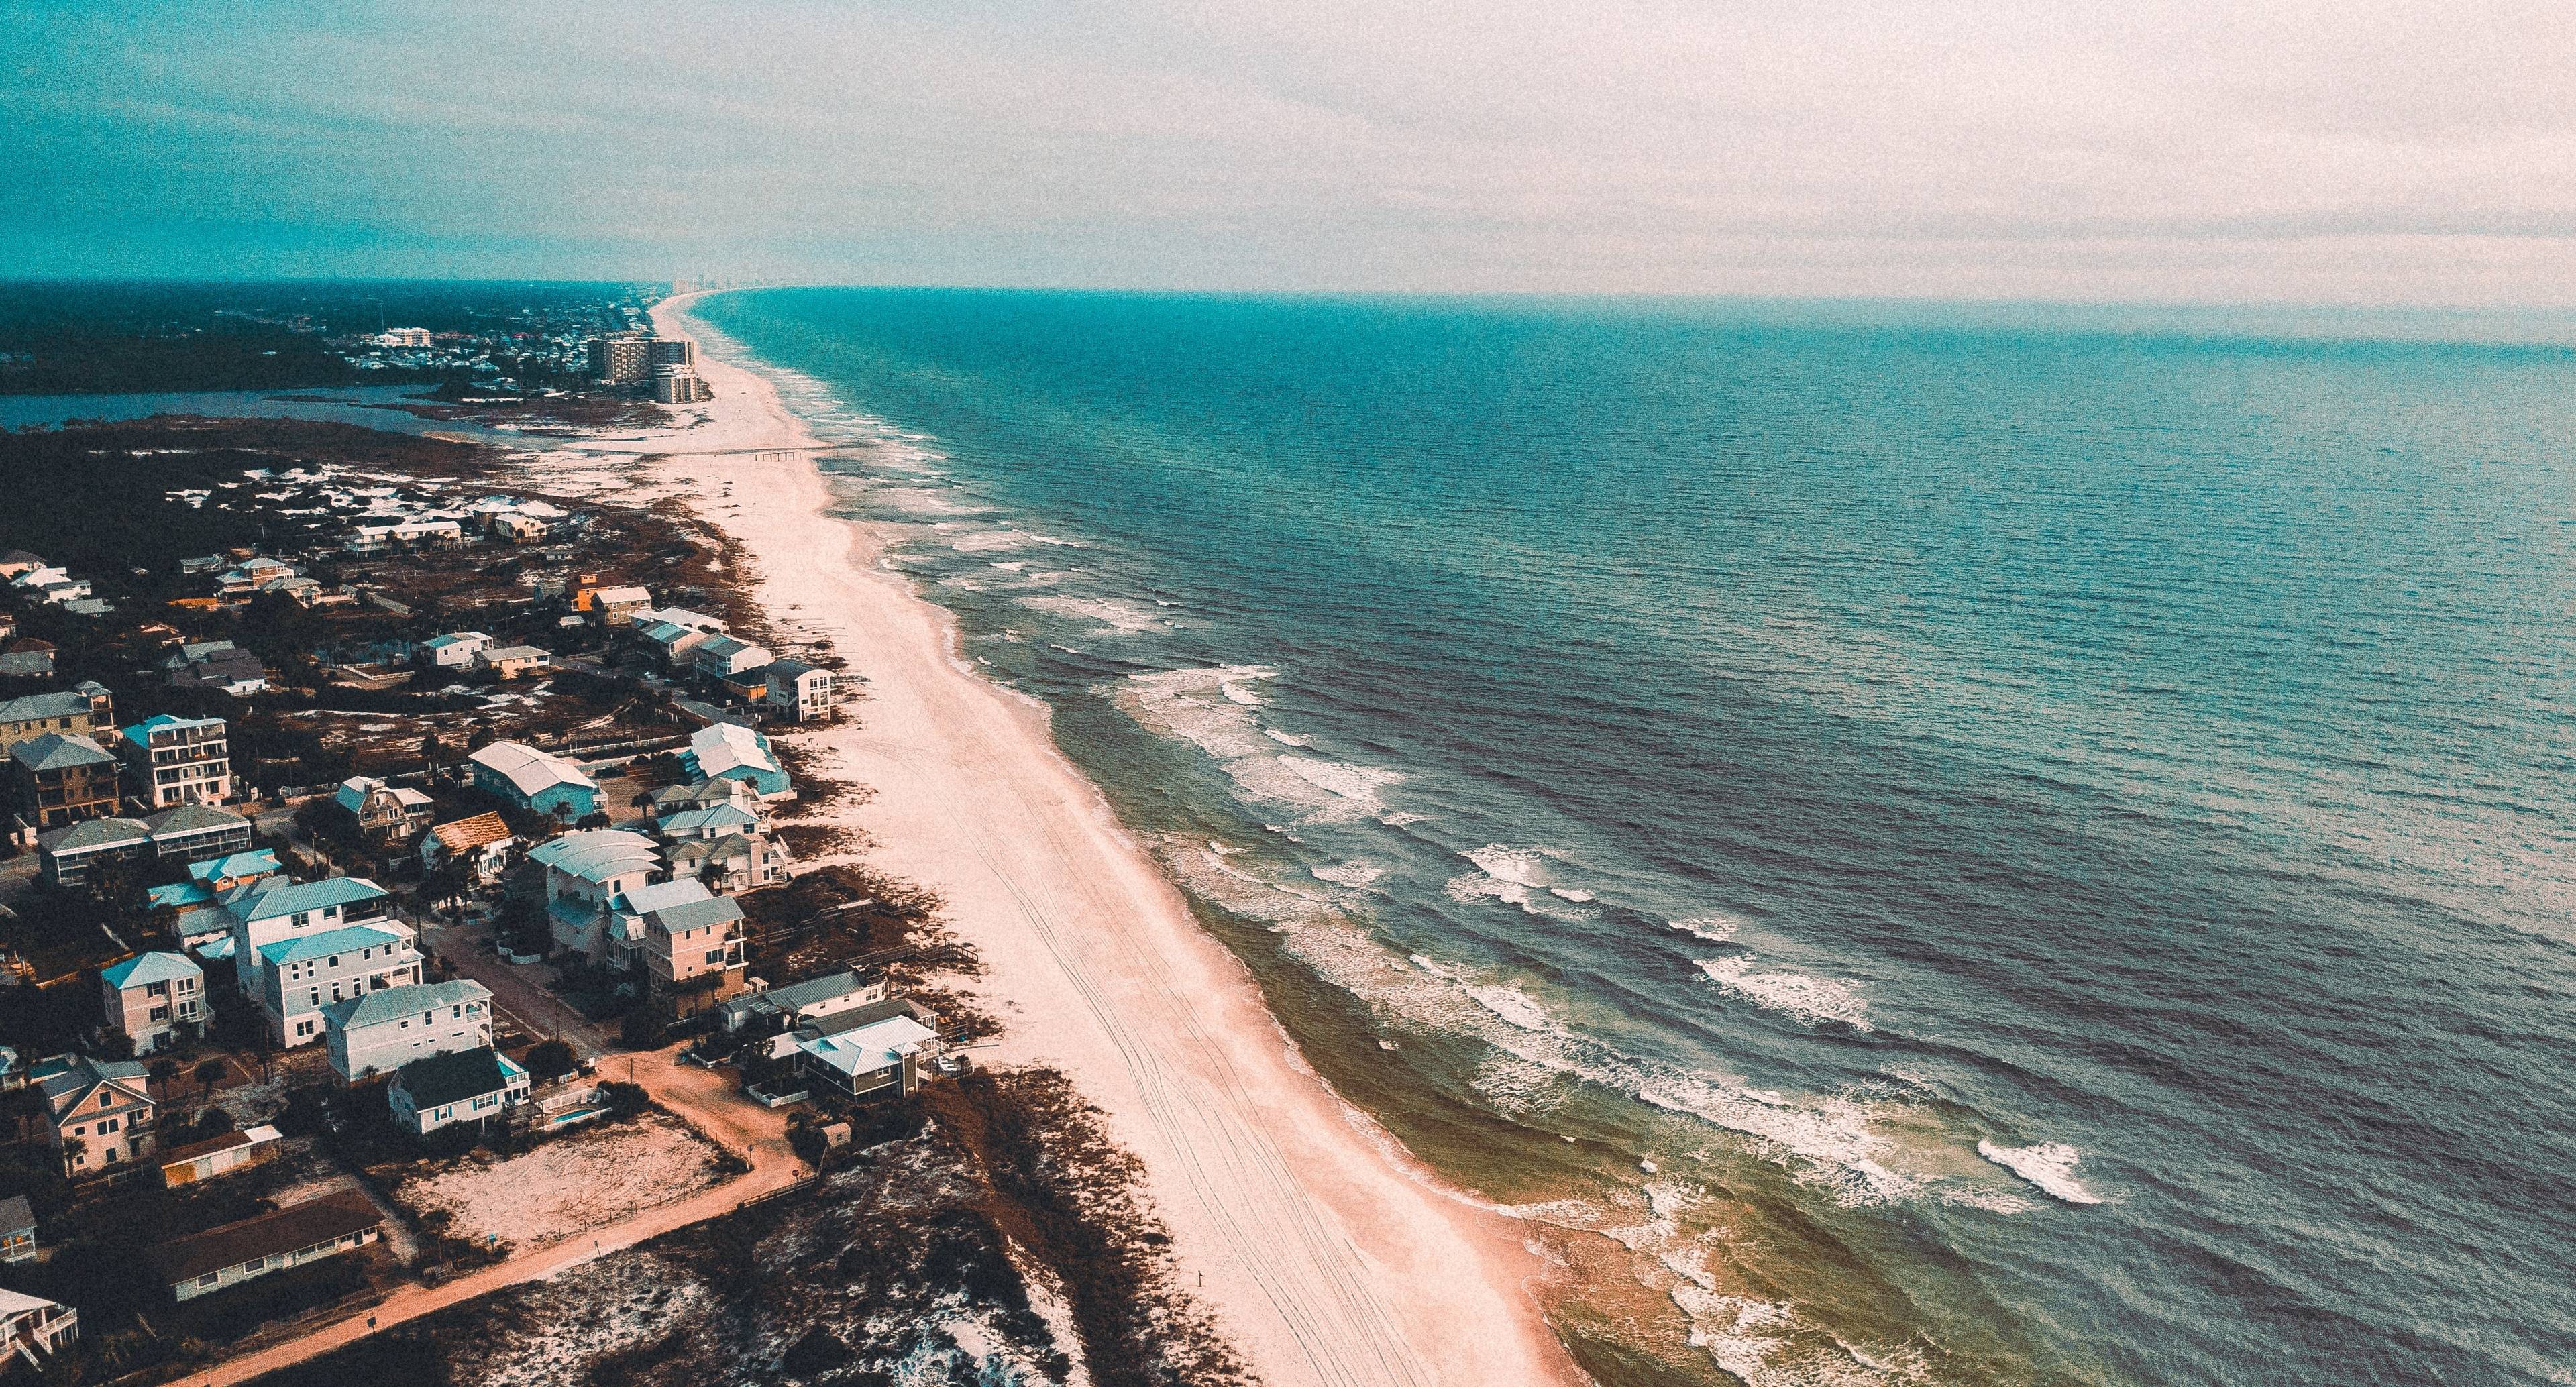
(540, 897)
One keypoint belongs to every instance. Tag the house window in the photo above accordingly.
(251, 1267)
(303, 1029)
(210, 1278)
(159, 1014)
(106, 1099)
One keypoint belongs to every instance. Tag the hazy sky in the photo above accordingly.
(2143, 151)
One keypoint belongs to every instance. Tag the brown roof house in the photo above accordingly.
(227, 1256)
(482, 843)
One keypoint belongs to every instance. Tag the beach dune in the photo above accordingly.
(1326, 1255)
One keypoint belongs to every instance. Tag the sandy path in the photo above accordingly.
(706, 1099)
(1329, 1258)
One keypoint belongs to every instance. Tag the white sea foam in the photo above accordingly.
(2049, 1164)
(1286, 739)
(1801, 996)
(1513, 1005)
(1716, 929)
(1239, 694)
(1355, 875)
(1357, 785)
(989, 541)
(1514, 876)
(1107, 614)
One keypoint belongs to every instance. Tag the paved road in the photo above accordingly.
(706, 1098)
(518, 990)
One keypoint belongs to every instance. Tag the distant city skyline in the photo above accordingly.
(2370, 154)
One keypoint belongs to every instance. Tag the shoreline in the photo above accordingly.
(1325, 1255)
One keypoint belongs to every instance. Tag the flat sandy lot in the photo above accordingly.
(569, 1185)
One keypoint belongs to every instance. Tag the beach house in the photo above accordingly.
(869, 1050)
(513, 661)
(723, 657)
(269, 909)
(773, 1013)
(17, 1230)
(693, 952)
(537, 781)
(188, 833)
(731, 862)
(383, 1031)
(455, 650)
(153, 998)
(385, 813)
(588, 873)
(224, 1256)
(85, 711)
(724, 751)
(798, 692)
(226, 671)
(173, 760)
(102, 1113)
(474, 1085)
(33, 1328)
(305, 973)
(481, 843)
(60, 778)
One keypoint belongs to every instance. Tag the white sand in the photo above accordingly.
(1327, 1254)
(570, 1184)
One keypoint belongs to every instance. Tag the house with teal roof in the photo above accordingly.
(302, 975)
(724, 751)
(153, 998)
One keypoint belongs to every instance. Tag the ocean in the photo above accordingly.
(1908, 846)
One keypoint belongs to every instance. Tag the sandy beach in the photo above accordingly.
(1327, 1256)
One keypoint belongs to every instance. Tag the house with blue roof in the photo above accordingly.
(272, 908)
(301, 975)
(153, 998)
(231, 870)
(724, 751)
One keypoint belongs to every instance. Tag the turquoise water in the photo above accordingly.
(2052, 840)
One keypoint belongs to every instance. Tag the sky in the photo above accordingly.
(2153, 151)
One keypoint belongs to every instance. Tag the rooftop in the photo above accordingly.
(386, 1004)
(56, 752)
(153, 967)
(273, 896)
(452, 1078)
(326, 1219)
(529, 770)
(347, 939)
(597, 854)
(465, 835)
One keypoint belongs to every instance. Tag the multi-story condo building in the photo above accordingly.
(173, 760)
(673, 351)
(622, 358)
